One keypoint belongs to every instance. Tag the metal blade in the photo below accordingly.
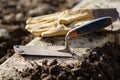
(48, 51)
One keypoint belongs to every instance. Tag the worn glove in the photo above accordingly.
(58, 23)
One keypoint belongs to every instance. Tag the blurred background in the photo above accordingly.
(13, 16)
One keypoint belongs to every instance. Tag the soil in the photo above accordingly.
(102, 64)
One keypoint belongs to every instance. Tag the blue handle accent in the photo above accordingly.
(94, 25)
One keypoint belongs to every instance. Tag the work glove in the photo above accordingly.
(58, 23)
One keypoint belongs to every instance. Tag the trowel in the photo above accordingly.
(58, 51)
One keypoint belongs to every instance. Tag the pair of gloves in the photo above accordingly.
(58, 23)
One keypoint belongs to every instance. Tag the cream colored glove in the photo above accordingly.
(58, 23)
(40, 24)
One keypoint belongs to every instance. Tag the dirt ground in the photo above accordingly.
(102, 64)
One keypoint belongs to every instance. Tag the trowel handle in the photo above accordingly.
(91, 27)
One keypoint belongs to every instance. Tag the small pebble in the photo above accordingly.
(19, 16)
(9, 17)
(54, 62)
(38, 10)
(44, 62)
(4, 33)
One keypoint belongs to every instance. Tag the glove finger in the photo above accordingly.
(81, 23)
(50, 17)
(40, 25)
(38, 32)
(70, 16)
(77, 23)
(59, 30)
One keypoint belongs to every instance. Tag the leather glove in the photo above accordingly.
(58, 23)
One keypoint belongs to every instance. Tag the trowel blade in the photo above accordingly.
(47, 51)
